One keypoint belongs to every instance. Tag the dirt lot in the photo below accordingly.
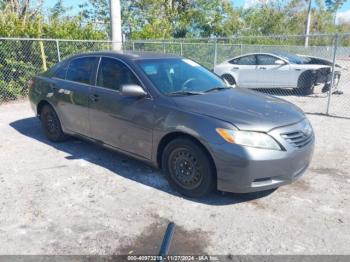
(78, 198)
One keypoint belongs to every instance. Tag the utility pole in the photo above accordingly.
(116, 25)
(308, 22)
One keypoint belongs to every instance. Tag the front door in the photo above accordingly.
(122, 122)
(273, 75)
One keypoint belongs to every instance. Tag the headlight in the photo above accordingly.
(248, 138)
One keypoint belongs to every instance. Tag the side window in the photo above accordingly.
(112, 74)
(244, 60)
(266, 60)
(233, 61)
(60, 72)
(81, 69)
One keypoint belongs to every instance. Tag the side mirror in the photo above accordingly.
(280, 62)
(133, 90)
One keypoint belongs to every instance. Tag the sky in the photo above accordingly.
(343, 14)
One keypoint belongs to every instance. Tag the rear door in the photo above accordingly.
(73, 93)
(117, 120)
(244, 69)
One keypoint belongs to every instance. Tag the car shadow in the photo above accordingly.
(124, 166)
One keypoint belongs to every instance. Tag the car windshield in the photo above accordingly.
(180, 76)
(294, 59)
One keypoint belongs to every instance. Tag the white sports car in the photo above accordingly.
(278, 70)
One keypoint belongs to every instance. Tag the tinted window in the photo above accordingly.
(244, 60)
(60, 72)
(175, 75)
(292, 58)
(81, 69)
(113, 74)
(266, 60)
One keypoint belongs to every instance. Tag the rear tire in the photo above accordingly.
(51, 124)
(188, 168)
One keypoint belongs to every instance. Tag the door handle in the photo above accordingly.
(262, 68)
(297, 69)
(94, 97)
(235, 67)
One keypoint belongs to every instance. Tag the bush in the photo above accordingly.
(21, 60)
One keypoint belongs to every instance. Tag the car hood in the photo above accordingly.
(246, 109)
(320, 61)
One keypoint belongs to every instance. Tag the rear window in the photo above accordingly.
(81, 69)
(60, 71)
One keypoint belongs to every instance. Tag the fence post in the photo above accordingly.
(181, 49)
(336, 42)
(133, 46)
(215, 52)
(58, 50)
(164, 51)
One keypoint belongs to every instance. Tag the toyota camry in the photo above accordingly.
(176, 115)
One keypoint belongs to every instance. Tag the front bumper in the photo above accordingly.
(247, 169)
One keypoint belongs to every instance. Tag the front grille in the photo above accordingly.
(298, 138)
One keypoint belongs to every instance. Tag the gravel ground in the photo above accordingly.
(78, 198)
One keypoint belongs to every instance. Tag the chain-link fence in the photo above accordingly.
(339, 103)
(20, 59)
(266, 64)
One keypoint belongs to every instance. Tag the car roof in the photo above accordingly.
(249, 54)
(127, 55)
(258, 53)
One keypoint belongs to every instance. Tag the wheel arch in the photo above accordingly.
(304, 77)
(178, 134)
(41, 105)
(230, 75)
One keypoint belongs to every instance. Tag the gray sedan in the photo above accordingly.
(176, 115)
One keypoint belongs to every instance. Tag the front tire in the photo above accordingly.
(230, 79)
(188, 168)
(306, 84)
(327, 86)
(51, 124)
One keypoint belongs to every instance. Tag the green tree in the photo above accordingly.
(334, 5)
(58, 10)
(22, 8)
(20, 60)
(169, 18)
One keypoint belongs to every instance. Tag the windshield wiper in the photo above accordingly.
(217, 88)
(184, 92)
